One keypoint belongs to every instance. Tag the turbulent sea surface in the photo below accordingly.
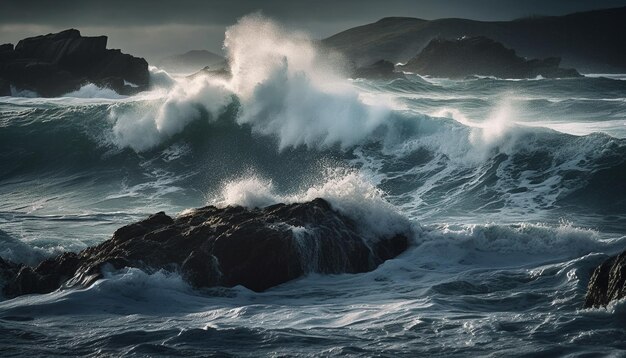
(514, 191)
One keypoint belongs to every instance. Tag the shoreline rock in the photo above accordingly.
(255, 248)
(607, 282)
(55, 64)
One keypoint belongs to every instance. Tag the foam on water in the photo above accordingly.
(16, 250)
(475, 290)
(507, 217)
(23, 93)
(90, 90)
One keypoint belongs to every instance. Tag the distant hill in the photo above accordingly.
(191, 61)
(592, 41)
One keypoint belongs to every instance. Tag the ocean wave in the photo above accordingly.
(437, 163)
(348, 191)
(90, 90)
(438, 149)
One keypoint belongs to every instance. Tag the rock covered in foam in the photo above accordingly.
(255, 248)
(55, 64)
(608, 282)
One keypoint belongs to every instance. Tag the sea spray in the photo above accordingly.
(146, 127)
(285, 86)
(288, 89)
(348, 191)
(90, 90)
(493, 267)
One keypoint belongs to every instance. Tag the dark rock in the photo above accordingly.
(46, 277)
(54, 64)
(608, 282)
(256, 248)
(8, 270)
(378, 70)
(6, 52)
(481, 56)
(123, 67)
(5, 87)
(66, 48)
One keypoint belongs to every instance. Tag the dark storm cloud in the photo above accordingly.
(125, 12)
(153, 28)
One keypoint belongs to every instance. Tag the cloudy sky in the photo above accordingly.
(154, 29)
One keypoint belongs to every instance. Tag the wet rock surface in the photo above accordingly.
(256, 248)
(608, 282)
(55, 64)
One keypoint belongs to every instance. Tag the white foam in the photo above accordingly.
(126, 83)
(286, 88)
(613, 76)
(18, 251)
(250, 192)
(134, 282)
(289, 89)
(494, 245)
(499, 130)
(348, 191)
(90, 90)
(146, 126)
(160, 78)
(23, 93)
(616, 128)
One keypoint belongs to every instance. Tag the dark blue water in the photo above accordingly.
(515, 190)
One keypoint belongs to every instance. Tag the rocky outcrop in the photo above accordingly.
(481, 56)
(381, 69)
(256, 248)
(5, 87)
(54, 64)
(607, 283)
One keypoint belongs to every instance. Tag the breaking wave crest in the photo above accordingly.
(349, 192)
(284, 86)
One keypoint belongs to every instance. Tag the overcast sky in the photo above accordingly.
(154, 29)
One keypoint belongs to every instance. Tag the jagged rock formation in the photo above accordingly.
(256, 248)
(608, 282)
(468, 56)
(54, 64)
(378, 70)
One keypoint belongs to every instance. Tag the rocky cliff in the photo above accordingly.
(54, 64)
